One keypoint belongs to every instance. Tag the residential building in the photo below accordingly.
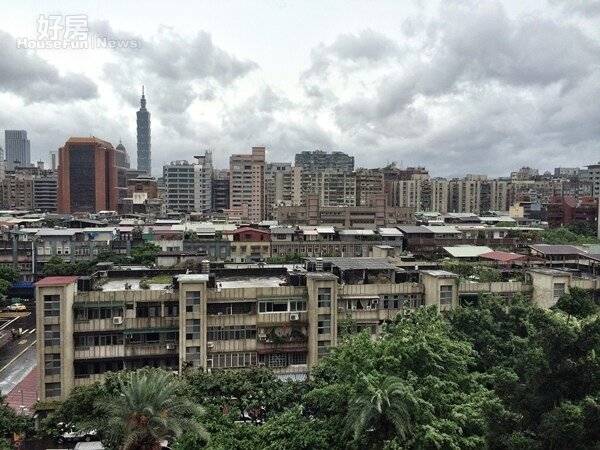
(592, 175)
(375, 214)
(188, 186)
(218, 321)
(319, 160)
(16, 191)
(87, 176)
(144, 153)
(178, 177)
(45, 192)
(203, 178)
(17, 148)
(279, 183)
(122, 163)
(247, 183)
(220, 190)
(369, 182)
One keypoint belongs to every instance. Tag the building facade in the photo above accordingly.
(319, 160)
(17, 148)
(87, 176)
(247, 183)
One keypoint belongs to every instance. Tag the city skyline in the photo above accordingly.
(506, 97)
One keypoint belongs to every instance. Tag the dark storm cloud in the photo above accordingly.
(31, 78)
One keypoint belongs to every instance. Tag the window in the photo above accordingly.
(220, 309)
(192, 301)
(51, 335)
(323, 347)
(559, 290)
(171, 309)
(298, 305)
(324, 324)
(324, 297)
(192, 353)
(446, 295)
(52, 364)
(225, 360)
(51, 305)
(192, 329)
(52, 389)
(273, 306)
(234, 332)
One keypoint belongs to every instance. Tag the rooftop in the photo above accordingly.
(56, 281)
(467, 251)
(344, 263)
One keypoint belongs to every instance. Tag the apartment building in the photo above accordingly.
(333, 187)
(220, 190)
(16, 191)
(45, 192)
(247, 183)
(179, 183)
(319, 160)
(203, 178)
(369, 182)
(188, 186)
(375, 214)
(215, 322)
(279, 186)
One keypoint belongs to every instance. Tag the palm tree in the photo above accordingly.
(383, 408)
(148, 409)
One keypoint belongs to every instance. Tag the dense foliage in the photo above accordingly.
(143, 254)
(501, 374)
(574, 235)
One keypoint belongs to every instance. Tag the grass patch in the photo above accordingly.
(160, 279)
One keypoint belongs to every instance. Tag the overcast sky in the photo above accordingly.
(457, 86)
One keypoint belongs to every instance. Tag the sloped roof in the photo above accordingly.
(467, 251)
(503, 256)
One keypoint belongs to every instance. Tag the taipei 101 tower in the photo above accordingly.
(143, 137)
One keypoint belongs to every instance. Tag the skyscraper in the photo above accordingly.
(17, 146)
(87, 176)
(144, 161)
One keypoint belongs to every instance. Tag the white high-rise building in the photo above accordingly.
(188, 186)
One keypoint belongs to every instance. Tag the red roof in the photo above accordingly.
(25, 394)
(56, 281)
(503, 256)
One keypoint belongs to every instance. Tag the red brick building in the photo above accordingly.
(87, 176)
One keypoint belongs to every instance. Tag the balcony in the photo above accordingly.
(281, 317)
(151, 323)
(103, 351)
(159, 348)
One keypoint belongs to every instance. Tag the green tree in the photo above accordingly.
(149, 408)
(383, 408)
(144, 254)
(577, 302)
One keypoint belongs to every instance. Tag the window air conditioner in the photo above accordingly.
(170, 346)
(294, 317)
(210, 344)
(118, 320)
